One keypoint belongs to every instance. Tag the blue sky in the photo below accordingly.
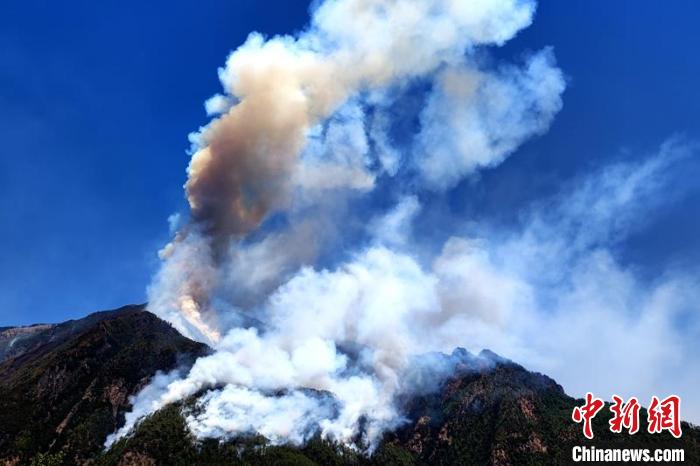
(97, 99)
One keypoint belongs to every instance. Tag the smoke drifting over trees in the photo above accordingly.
(306, 341)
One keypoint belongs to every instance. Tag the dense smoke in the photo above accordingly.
(317, 305)
(293, 124)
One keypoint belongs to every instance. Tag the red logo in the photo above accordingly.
(624, 415)
(665, 415)
(662, 415)
(587, 412)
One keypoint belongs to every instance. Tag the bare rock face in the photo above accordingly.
(117, 393)
(136, 459)
(16, 340)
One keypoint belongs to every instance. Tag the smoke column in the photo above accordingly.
(303, 132)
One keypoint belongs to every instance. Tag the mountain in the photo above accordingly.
(65, 387)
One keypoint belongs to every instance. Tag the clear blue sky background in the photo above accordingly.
(97, 99)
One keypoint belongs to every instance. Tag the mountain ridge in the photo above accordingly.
(36, 335)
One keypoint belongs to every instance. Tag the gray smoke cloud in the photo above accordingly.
(302, 129)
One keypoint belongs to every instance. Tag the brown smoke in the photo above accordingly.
(245, 169)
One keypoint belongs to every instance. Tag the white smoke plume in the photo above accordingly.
(302, 137)
(292, 123)
(544, 293)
